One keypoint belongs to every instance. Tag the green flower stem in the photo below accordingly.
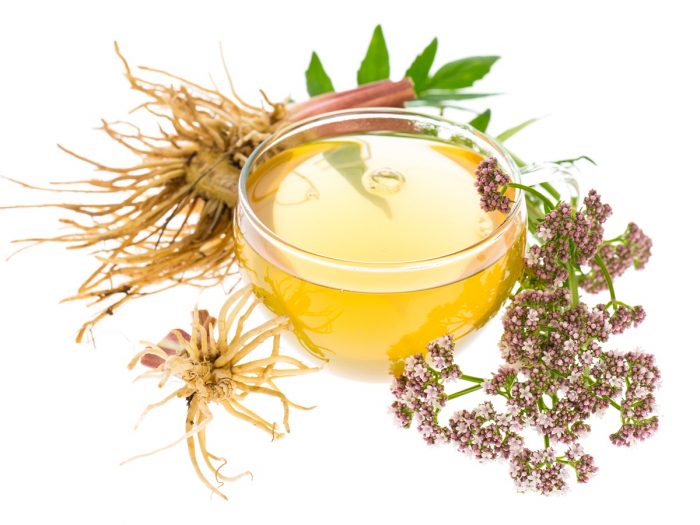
(573, 284)
(548, 206)
(612, 402)
(464, 392)
(435, 373)
(471, 378)
(555, 373)
(543, 408)
(619, 238)
(616, 304)
(608, 279)
(540, 404)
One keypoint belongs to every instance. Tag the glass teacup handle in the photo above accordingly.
(564, 179)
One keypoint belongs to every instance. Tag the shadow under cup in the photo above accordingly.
(366, 314)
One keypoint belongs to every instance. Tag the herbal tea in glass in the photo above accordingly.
(365, 229)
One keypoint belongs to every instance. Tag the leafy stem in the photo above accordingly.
(613, 403)
(551, 190)
(619, 238)
(464, 392)
(608, 279)
(471, 378)
(543, 408)
(610, 400)
(548, 206)
(575, 160)
(616, 304)
(573, 284)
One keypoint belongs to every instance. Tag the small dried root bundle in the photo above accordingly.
(170, 220)
(213, 369)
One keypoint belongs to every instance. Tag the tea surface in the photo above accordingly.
(372, 198)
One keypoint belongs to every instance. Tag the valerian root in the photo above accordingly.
(214, 364)
(169, 216)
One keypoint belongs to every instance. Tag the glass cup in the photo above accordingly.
(366, 314)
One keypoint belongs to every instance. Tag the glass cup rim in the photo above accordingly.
(358, 113)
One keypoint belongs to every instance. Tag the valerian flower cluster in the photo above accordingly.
(490, 181)
(556, 373)
(631, 249)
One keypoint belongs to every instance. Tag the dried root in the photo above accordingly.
(171, 218)
(211, 362)
(167, 219)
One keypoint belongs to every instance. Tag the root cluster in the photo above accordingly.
(214, 364)
(169, 220)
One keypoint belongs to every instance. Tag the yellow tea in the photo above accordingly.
(371, 243)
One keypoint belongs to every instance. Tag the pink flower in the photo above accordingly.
(490, 183)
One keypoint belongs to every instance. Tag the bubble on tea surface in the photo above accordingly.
(383, 181)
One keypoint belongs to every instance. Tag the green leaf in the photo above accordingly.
(518, 161)
(317, 80)
(574, 161)
(481, 121)
(515, 129)
(420, 68)
(461, 73)
(436, 95)
(375, 65)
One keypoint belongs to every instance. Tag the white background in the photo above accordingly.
(616, 80)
